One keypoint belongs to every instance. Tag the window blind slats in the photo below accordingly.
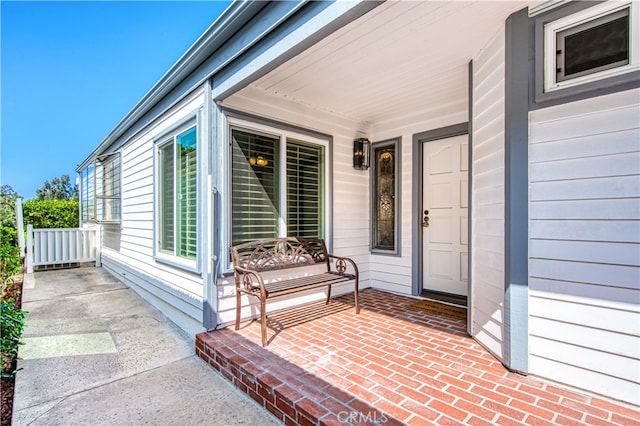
(256, 188)
(305, 178)
(186, 197)
(254, 184)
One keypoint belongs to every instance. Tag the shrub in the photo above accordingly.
(10, 264)
(51, 213)
(12, 318)
(12, 323)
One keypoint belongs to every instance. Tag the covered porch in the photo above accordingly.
(391, 364)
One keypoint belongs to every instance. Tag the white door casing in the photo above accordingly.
(445, 215)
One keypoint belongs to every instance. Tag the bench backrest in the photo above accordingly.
(279, 253)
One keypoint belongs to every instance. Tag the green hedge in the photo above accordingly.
(51, 213)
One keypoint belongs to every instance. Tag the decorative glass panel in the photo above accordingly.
(384, 206)
(254, 186)
(305, 197)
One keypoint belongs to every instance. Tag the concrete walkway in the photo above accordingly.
(95, 353)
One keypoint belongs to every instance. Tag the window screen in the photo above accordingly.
(594, 46)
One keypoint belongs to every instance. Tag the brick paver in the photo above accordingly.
(389, 365)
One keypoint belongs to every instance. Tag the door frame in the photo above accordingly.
(419, 139)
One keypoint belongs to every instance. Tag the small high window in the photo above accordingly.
(595, 43)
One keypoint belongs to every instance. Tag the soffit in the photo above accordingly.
(402, 56)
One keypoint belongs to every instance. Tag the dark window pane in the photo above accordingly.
(596, 48)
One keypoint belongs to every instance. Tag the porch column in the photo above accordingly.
(516, 312)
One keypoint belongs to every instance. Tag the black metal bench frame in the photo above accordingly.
(250, 260)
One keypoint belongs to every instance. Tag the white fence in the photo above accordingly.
(62, 246)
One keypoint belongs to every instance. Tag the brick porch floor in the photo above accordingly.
(389, 365)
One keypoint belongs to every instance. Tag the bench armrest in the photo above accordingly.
(249, 280)
(342, 263)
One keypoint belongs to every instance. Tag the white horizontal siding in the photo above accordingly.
(584, 248)
(176, 292)
(487, 199)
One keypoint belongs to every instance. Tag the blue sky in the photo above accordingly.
(70, 71)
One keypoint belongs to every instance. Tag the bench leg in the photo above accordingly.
(328, 294)
(238, 301)
(263, 322)
(355, 295)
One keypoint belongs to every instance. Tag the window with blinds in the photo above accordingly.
(305, 198)
(268, 202)
(186, 200)
(254, 186)
(87, 194)
(177, 208)
(109, 194)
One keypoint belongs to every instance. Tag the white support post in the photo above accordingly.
(29, 249)
(20, 226)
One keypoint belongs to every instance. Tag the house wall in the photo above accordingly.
(584, 246)
(488, 199)
(350, 197)
(394, 273)
(176, 292)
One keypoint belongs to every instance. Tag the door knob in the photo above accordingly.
(425, 219)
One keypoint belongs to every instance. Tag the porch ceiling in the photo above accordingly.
(402, 56)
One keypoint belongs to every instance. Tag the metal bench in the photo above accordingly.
(251, 260)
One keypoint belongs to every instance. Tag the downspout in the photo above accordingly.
(210, 260)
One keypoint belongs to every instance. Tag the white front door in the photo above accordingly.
(445, 217)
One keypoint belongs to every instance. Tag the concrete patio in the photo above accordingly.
(392, 364)
(95, 353)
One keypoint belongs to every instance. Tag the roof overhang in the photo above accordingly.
(228, 50)
(401, 58)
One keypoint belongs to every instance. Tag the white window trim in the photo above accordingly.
(159, 142)
(554, 27)
(283, 135)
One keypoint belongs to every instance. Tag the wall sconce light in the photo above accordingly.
(361, 153)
